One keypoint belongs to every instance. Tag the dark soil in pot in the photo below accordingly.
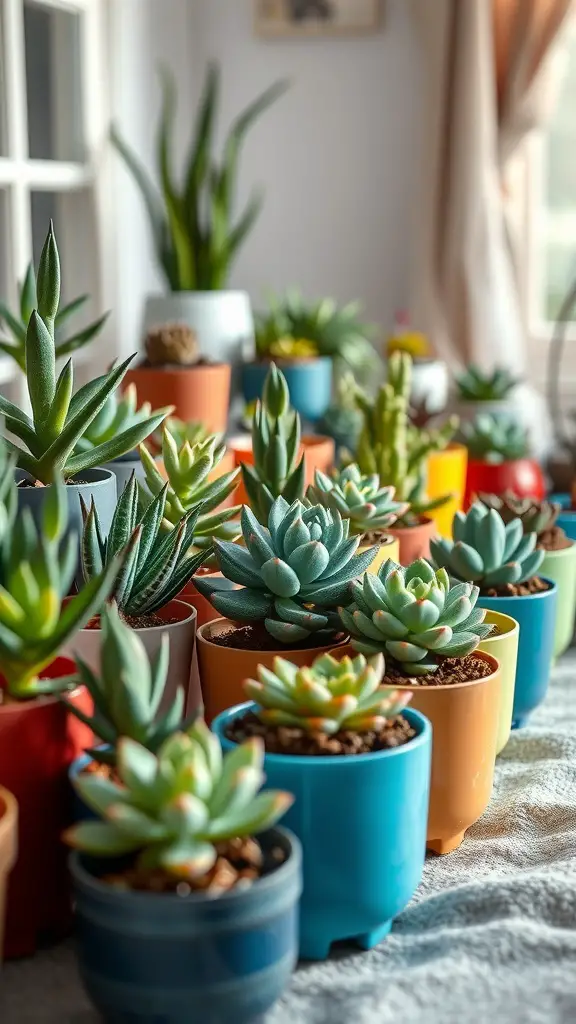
(257, 638)
(554, 539)
(136, 621)
(72, 482)
(449, 672)
(533, 586)
(283, 739)
(375, 538)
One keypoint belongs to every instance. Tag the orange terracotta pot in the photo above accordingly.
(224, 669)
(197, 392)
(319, 453)
(414, 541)
(465, 718)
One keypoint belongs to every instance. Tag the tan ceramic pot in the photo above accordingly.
(414, 541)
(8, 843)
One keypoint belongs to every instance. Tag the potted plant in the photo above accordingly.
(486, 393)
(504, 563)
(342, 420)
(371, 509)
(60, 419)
(293, 575)
(38, 740)
(559, 562)
(498, 460)
(429, 632)
(395, 450)
(146, 588)
(186, 896)
(358, 763)
(8, 843)
(196, 237)
(429, 385)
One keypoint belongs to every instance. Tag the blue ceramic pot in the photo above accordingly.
(80, 811)
(362, 824)
(536, 614)
(309, 382)
(567, 519)
(146, 958)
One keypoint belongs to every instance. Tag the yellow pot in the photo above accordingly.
(447, 475)
(504, 647)
(389, 548)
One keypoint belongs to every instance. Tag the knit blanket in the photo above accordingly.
(489, 937)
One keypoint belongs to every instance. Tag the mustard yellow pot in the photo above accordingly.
(446, 474)
(389, 548)
(504, 647)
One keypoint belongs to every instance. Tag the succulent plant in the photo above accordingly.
(486, 550)
(188, 469)
(343, 420)
(128, 691)
(492, 439)
(16, 323)
(175, 344)
(194, 432)
(476, 386)
(537, 517)
(359, 498)
(327, 697)
(405, 338)
(37, 567)
(394, 449)
(157, 564)
(171, 808)
(195, 236)
(293, 575)
(415, 615)
(275, 445)
(59, 418)
(118, 414)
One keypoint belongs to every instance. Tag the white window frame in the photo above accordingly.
(20, 175)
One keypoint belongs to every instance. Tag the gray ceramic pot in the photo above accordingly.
(123, 468)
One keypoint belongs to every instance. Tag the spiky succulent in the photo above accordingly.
(16, 323)
(487, 550)
(189, 469)
(293, 575)
(494, 439)
(369, 507)
(37, 568)
(476, 386)
(394, 449)
(118, 414)
(157, 565)
(194, 432)
(128, 692)
(171, 808)
(414, 614)
(60, 419)
(276, 445)
(537, 517)
(327, 697)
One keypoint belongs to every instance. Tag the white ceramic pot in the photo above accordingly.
(123, 468)
(430, 384)
(222, 320)
(182, 635)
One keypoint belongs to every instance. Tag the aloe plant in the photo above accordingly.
(170, 809)
(37, 568)
(327, 697)
(476, 386)
(118, 415)
(16, 323)
(157, 565)
(127, 692)
(59, 418)
(195, 235)
(495, 440)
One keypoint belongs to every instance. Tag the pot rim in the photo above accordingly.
(203, 295)
(19, 706)
(243, 442)
(281, 652)
(559, 552)
(299, 361)
(422, 737)
(89, 881)
(165, 625)
(102, 478)
(178, 370)
(386, 540)
(540, 595)
(413, 687)
(513, 631)
(425, 521)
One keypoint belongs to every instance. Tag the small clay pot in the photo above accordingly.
(414, 541)
(318, 450)
(198, 392)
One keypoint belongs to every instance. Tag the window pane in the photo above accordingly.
(3, 148)
(53, 83)
(74, 225)
(3, 246)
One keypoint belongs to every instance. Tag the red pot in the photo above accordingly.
(523, 477)
(38, 742)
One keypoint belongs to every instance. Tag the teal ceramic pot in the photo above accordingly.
(147, 958)
(362, 824)
(536, 615)
(560, 566)
(309, 382)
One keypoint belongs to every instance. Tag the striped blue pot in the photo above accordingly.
(309, 382)
(148, 957)
(362, 824)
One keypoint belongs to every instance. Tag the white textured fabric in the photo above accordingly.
(490, 937)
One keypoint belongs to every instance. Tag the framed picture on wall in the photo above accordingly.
(316, 17)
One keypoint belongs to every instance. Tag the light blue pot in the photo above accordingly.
(309, 383)
(536, 614)
(362, 824)
(567, 519)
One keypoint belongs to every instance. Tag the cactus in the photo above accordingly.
(486, 550)
(188, 469)
(491, 439)
(128, 691)
(117, 415)
(172, 344)
(37, 568)
(59, 418)
(293, 574)
(172, 808)
(395, 450)
(537, 517)
(369, 507)
(327, 697)
(157, 564)
(475, 386)
(275, 444)
(414, 615)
